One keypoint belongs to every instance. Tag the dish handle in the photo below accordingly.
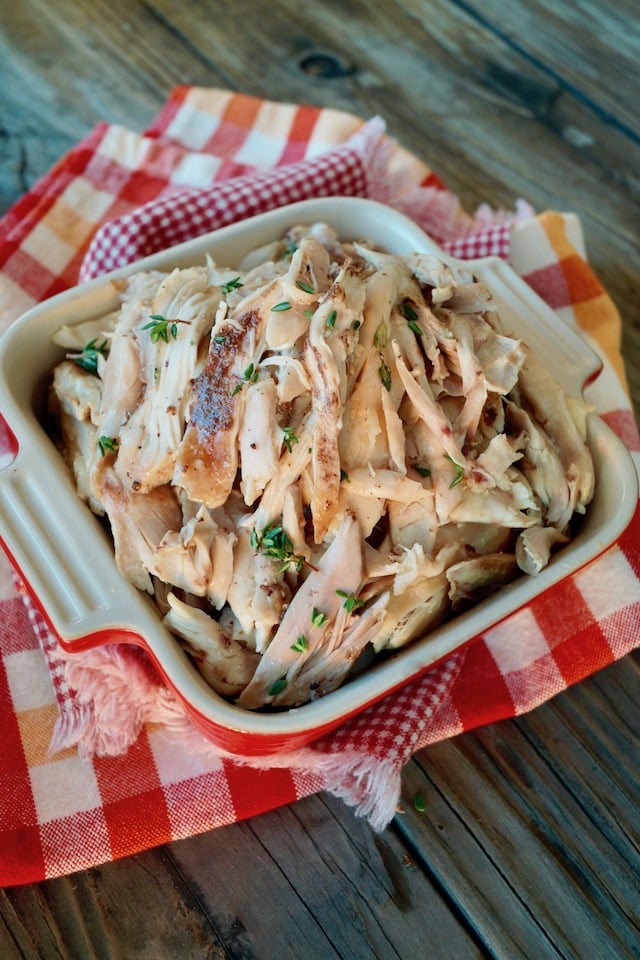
(79, 591)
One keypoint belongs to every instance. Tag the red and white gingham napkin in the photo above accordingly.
(114, 787)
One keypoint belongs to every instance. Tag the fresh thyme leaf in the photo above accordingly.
(419, 803)
(305, 286)
(274, 542)
(459, 471)
(231, 285)
(308, 314)
(250, 374)
(277, 687)
(279, 307)
(331, 319)
(412, 318)
(289, 438)
(380, 337)
(301, 644)
(289, 249)
(236, 389)
(356, 324)
(350, 600)
(108, 445)
(423, 471)
(88, 359)
(219, 338)
(344, 475)
(385, 375)
(317, 617)
(161, 328)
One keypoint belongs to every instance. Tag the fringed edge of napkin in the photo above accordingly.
(112, 692)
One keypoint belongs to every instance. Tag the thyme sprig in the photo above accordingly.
(88, 358)
(231, 285)
(277, 686)
(411, 317)
(274, 542)
(459, 471)
(108, 445)
(301, 644)
(317, 617)
(161, 328)
(351, 601)
(289, 438)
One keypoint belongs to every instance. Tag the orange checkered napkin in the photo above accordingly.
(109, 790)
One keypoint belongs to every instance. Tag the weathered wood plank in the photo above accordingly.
(551, 798)
(334, 889)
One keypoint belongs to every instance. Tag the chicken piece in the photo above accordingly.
(225, 664)
(74, 401)
(431, 273)
(290, 468)
(122, 382)
(198, 558)
(325, 669)
(150, 438)
(533, 548)
(327, 419)
(564, 422)
(259, 438)
(413, 613)
(139, 522)
(475, 579)
(207, 458)
(543, 468)
(340, 568)
(258, 594)
(429, 411)
(414, 522)
(386, 484)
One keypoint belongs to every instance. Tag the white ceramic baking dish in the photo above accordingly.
(66, 558)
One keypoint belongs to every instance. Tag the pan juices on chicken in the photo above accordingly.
(327, 449)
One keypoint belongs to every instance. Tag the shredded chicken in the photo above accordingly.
(325, 450)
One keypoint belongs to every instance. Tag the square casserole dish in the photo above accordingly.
(66, 558)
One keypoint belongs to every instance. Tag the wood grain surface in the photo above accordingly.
(529, 842)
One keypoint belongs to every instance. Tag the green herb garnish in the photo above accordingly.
(274, 542)
(108, 445)
(88, 359)
(279, 307)
(380, 337)
(219, 338)
(161, 328)
(331, 319)
(350, 600)
(356, 324)
(423, 471)
(412, 318)
(305, 286)
(344, 475)
(277, 687)
(459, 471)
(317, 617)
(301, 644)
(231, 285)
(385, 375)
(289, 438)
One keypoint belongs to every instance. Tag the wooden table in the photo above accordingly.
(529, 844)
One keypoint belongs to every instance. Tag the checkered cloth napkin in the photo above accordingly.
(107, 789)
